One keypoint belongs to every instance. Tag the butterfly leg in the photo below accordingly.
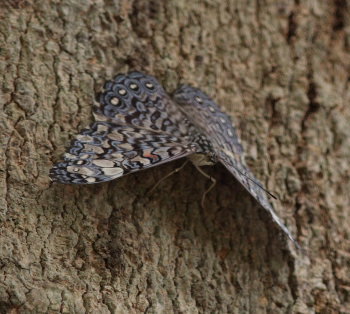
(167, 176)
(211, 186)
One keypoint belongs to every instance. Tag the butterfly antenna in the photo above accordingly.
(256, 183)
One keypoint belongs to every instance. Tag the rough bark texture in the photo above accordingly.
(280, 68)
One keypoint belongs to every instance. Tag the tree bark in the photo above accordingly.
(279, 68)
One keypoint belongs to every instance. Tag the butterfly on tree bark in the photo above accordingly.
(139, 126)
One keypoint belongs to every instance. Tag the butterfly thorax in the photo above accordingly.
(202, 159)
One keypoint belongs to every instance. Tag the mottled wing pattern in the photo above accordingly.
(209, 119)
(139, 100)
(137, 126)
(218, 128)
(107, 151)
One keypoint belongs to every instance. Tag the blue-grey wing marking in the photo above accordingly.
(139, 100)
(107, 151)
(137, 127)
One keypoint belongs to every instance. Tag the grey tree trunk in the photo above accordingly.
(281, 70)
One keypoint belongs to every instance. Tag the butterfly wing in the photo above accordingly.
(208, 118)
(218, 128)
(252, 185)
(139, 100)
(137, 127)
(107, 151)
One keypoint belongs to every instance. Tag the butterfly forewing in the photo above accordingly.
(205, 114)
(252, 185)
(225, 145)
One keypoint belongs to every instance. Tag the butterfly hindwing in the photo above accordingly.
(107, 151)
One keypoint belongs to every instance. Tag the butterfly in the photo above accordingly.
(138, 126)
